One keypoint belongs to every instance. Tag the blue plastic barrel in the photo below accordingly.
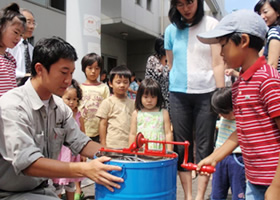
(153, 180)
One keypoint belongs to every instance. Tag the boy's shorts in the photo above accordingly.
(230, 173)
(70, 187)
(255, 192)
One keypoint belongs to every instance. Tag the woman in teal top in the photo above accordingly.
(196, 70)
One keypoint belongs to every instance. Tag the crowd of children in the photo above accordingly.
(112, 111)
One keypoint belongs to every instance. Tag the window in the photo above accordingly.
(149, 5)
(39, 2)
(109, 62)
(57, 4)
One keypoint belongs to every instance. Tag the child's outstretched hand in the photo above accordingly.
(206, 161)
(231, 72)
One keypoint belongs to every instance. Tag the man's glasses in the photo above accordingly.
(30, 23)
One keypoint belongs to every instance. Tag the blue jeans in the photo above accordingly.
(255, 192)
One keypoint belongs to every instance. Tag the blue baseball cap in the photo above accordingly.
(241, 21)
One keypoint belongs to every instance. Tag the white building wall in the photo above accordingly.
(133, 53)
(110, 11)
(83, 30)
(139, 17)
(52, 23)
(132, 14)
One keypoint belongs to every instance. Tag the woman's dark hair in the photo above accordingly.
(176, 18)
(148, 86)
(121, 71)
(221, 100)
(275, 4)
(159, 47)
(8, 14)
(91, 58)
(48, 51)
(75, 85)
(255, 42)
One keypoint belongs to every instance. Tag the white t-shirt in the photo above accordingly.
(192, 60)
(18, 54)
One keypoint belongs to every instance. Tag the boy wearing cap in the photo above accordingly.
(256, 103)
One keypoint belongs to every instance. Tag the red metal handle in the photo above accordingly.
(141, 140)
(206, 168)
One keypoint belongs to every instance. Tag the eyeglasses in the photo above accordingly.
(30, 23)
(187, 3)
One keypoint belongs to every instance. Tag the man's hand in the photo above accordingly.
(98, 172)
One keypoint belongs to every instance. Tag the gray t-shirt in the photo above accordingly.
(28, 133)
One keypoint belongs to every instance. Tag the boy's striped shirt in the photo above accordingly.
(256, 100)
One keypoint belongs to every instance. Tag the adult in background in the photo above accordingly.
(35, 122)
(23, 51)
(157, 69)
(196, 70)
(269, 10)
